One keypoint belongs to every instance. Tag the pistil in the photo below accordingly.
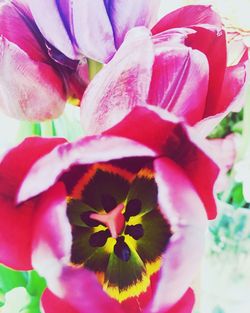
(114, 220)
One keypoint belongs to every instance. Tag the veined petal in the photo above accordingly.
(187, 217)
(179, 81)
(231, 98)
(187, 16)
(120, 85)
(93, 30)
(52, 28)
(15, 221)
(85, 151)
(211, 41)
(17, 28)
(126, 15)
(26, 84)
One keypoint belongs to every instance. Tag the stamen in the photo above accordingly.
(122, 250)
(99, 239)
(135, 231)
(133, 208)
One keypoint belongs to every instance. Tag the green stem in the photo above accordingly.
(94, 67)
(48, 129)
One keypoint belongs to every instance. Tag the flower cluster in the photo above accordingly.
(116, 220)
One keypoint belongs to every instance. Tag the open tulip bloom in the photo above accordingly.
(118, 220)
(115, 221)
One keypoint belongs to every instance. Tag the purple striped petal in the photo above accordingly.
(125, 15)
(92, 30)
(50, 21)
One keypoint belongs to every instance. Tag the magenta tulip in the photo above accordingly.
(181, 68)
(110, 221)
(35, 78)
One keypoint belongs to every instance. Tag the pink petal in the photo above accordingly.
(51, 250)
(81, 293)
(52, 304)
(163, 133)
(185, 305)
(181, 205)
(232, 97)
(126, 15)
(211, 41)
(93, 30)
(187, 16)
(200, 163)
(16, 221)
(52, 28)
(85, 151)
(148, 125)
(120, 85)
(14, 28)
(29, 90)
(173, 86)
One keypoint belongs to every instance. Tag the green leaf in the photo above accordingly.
(10, 279)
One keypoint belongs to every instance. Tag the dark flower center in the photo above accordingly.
(117, 227)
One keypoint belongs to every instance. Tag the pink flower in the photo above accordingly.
(181, 68)
(94, 29)
(35, 78)
(113, 222)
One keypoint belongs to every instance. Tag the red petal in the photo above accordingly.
(182, 207)
(120, 85)
(28, 89)
(187, 16)
(173, 86)
(185, 305)
(16, 221)
(84, 151)
(14, 27)
(211, 41)
(52, 304)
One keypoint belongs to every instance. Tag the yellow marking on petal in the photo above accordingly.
(136, 289)
(106, 167)
(109, 246)
(73, 101)
(145, 173)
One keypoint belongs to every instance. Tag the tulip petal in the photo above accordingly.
(126, 15)
(211, 41)
(187, 16)
(120, 85)
(79, 289)
(51, 258)
(173, 86)
(231, 99)
(14, 27)
(53, 27)
(201, 165)
(52, 304)
(28, 90)
(181, 205)
(85, 151)
(185, 304)
(16, 221)
(93, 30)
(167, 136)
